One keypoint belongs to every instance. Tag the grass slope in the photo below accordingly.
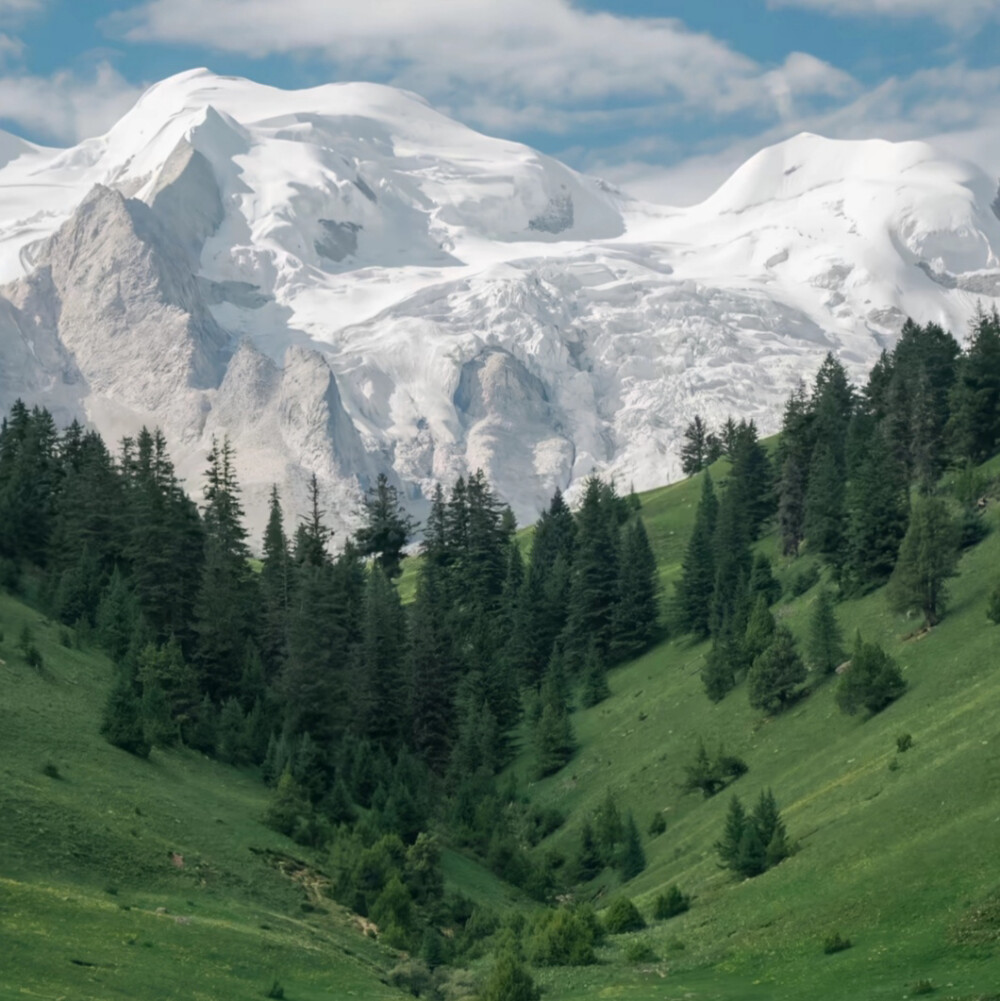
(92, 906)
(896, 850)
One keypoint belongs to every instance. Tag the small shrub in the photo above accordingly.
(564, 937)
(675, 945)
(51, 770)
(412, 976)
(657, 825)
(275, 991)
(66, 639)
(804, 580)
(894, 765)
(671, 903)
(921, 987)
(638, 951)
(836, 943)
(622, 916)
(904, 742)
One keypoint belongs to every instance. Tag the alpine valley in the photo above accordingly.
(347, 283)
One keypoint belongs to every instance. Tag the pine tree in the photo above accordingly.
(633, 858)
(776, 673)
(928, 556)
(694, 451)
(587, 861)
(697, 583)
(636, 611)
(794, 454)
(759, 632)
(770, 829)
(608, 828)
(275, 588)
(227, 595)
(974, 423)
(728, 846)
(751, 480)
(825, 646)
(718, 675)
(872, 680)
(595, 678)
(825, 504)
(594, 582)
(386, 698)
(122, 723)
(670, 904)
(762, 580)
(751, 859)
(387, 527)
(509, 981)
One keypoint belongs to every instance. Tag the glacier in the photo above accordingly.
(347, 282)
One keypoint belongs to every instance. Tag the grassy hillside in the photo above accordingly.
(898, 852)
(93, 903)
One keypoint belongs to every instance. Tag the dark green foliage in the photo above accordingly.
(775, 675)
(877, 511)
(904, 742)
(793, 469)
(595, 678)
(835, 943)
(387, 527)
(974, 422)
(509, 981)
(564, 937)
(122, 723)
(553, 736)
(622, 916)
(872, 680)
(633, 858)
(637, 608)
(275, 991)
(993, 605)
(825, 505)
(752, 843)
(762, 581)
(759, 632)
(718, 675)
(751, 480)
(710, 775)
(928, 556)
(657, 825)
(825, 644)
(804, 580)
(609, 829)
(696, 447)
(670, 904)
(587, 862)
(697, 583)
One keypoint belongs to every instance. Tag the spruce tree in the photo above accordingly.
(776, 673)
(794, 451)
(825, 504)
(586, 863)
(759, 632)
(122, 723)
(717, 674)
(694, 451)
(728, 846)
(825, 644)
(595, 678)
(993, 605)
(751, 859)
(608, 828)
(636, 611)
(697, 582)
(227, 597)
(928, 556)
(762, 580)
(633, 858)
(275, 588)
(387, 527)
(770, 829)
(872, 680)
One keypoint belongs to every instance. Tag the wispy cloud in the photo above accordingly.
(528, 63)
(960, 13)
(66, 106)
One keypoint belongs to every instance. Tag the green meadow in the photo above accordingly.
(125, 878)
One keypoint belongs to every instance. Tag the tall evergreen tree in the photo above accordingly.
(637, 608)
(695, 450)
(928, 556)
(825, 646)
(776, 673)
(275, 587)
(387, 527)
(697, 582)
(227, 596)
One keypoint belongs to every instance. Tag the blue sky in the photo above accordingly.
(665, 98)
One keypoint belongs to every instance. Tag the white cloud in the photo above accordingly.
(66, 107)
(952, 107)
(526, 63)
(956, 12)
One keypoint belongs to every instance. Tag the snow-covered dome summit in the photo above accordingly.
(349, 282)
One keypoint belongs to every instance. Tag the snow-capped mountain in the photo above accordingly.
(348, 282)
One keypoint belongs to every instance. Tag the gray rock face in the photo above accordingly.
(186, 198)
(340, 239)
(557, 217)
